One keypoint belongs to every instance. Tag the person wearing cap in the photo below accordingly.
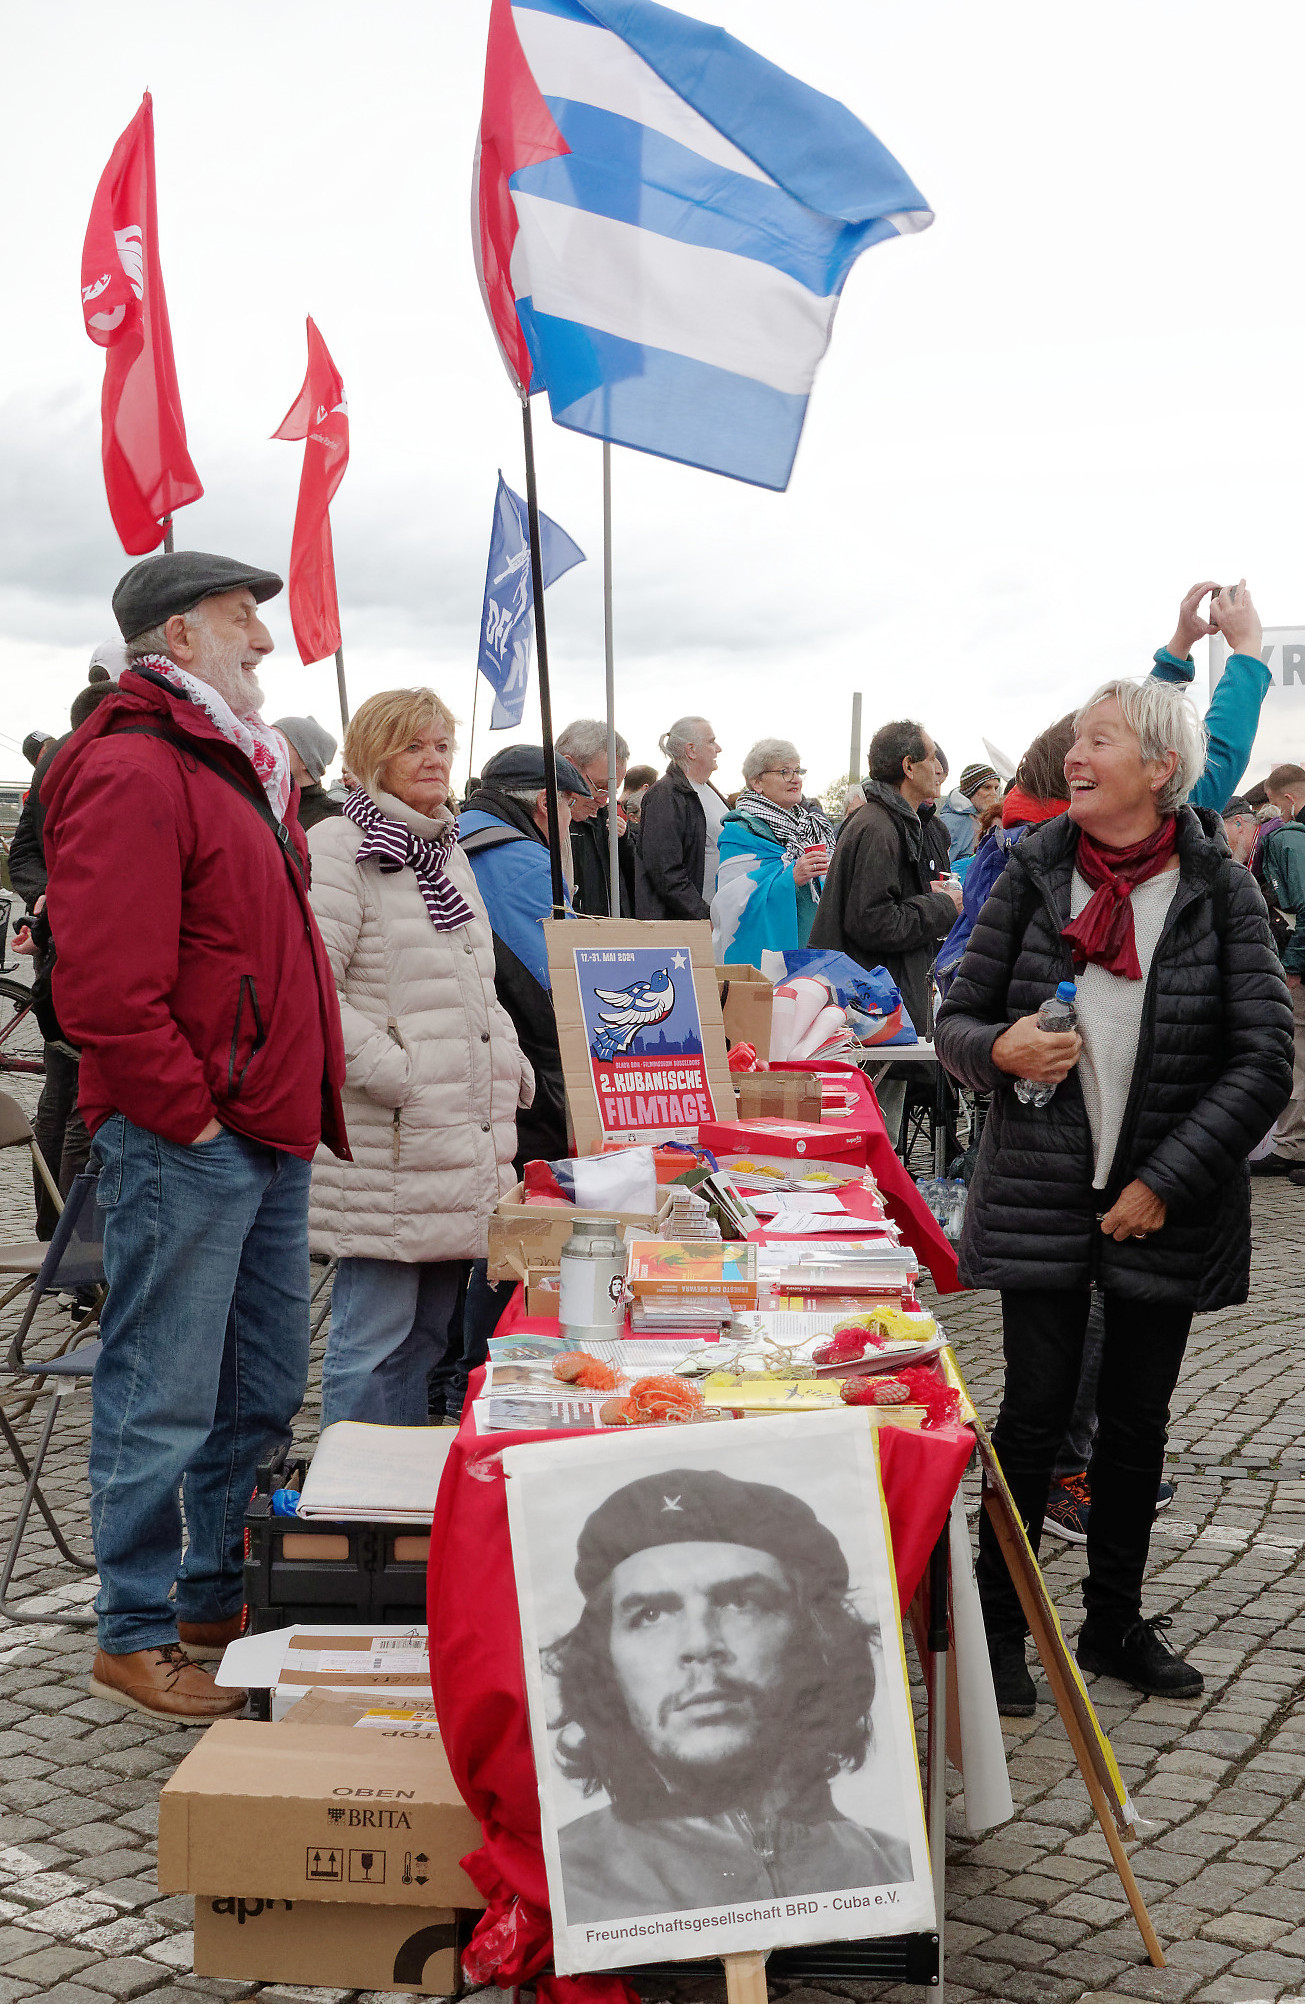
(978, 789)
(192, 978)
(311, 750)
(435, 1073)
(503, 829)
(716, 1683)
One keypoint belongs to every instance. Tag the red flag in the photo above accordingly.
(320, 415)
(147, 470)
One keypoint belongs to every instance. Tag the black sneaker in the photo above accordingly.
(1069, 1506)
(1140, 1657)
(1164, 1495)
(1017, 1694)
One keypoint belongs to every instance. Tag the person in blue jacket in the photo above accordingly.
(1231, 722)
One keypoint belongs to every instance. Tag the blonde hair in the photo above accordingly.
(384, 724)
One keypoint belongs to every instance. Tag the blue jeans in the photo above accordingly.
(391, 1321)
(205, 1360)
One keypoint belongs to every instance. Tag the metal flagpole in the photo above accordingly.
(541, 648)
(613, 837)
(471, 745)
(854, 764)
(167, 535)
(339, 680)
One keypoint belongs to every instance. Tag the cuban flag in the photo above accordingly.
(664, 223)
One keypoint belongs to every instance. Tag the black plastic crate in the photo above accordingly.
(317, 1571)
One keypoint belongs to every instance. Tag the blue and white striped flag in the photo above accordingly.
(673, 219)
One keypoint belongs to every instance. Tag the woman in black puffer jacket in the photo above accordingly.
(1132, 1179)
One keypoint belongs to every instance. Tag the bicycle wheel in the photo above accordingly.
(22, 1047)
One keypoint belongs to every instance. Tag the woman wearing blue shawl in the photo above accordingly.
(774, 851)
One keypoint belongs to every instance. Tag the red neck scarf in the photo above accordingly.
(1019, 807)
(1103, 930)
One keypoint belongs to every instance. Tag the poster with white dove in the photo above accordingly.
(644, 1034)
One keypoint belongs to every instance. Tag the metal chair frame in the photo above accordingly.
(63, 1372)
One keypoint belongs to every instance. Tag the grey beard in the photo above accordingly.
(220, 667)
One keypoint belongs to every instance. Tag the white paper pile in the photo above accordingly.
(376, 1474)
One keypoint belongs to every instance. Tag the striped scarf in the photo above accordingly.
(797, 828)
(395, 847)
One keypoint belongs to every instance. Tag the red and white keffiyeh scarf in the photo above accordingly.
(263, 747)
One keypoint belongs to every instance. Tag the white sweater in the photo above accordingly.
(1110, 1017)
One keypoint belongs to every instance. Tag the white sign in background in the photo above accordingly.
(1281, 735)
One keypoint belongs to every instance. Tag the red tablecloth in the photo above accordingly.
(479, 1686)
(863, 1139)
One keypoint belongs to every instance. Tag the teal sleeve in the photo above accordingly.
(1168, 668)
(1231, 723)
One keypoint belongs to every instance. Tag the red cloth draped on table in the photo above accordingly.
(480, 1697)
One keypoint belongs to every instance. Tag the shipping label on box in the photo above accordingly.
(319, 1813)
(336, 1947)
(345, 1708)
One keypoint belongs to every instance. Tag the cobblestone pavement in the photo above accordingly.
(1035, 1911)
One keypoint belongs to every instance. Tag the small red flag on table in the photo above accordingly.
(147, 469)
(320, 416)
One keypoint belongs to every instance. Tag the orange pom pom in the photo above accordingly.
(574, 1367)
(616, 1412)
(663, 1400)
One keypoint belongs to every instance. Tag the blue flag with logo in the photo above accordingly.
(507, 623)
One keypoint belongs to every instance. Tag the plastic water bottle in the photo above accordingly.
(1057, 1014)
(956, 1209)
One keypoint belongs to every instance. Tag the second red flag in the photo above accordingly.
(320, 416)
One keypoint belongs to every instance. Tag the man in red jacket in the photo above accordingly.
(191, 976)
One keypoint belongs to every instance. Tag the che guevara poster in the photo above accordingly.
(717, 1691)
(644, 1035)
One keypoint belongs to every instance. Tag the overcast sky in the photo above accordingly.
(1037, 423)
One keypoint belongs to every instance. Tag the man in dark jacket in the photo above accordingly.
(882, 902)
(584, 743)
(1131, 1178)
(192, 978)
(311, 750)
(1280, 864)
(59, 1129)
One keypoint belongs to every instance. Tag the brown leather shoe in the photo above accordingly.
(206, 1641)
(163, 1683)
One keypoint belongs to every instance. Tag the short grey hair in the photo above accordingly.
(685, 732)
(585, 740)
(1162, 717)
(528, 796)
(768, 752)
(154, 640)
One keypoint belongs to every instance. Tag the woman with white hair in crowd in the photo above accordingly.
(1132, 1177)
(774, 850)
(679, 827)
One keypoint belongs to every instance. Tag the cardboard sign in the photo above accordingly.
(640, 1030)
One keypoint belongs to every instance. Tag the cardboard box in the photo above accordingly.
(653, 1108)
(544, 1292)
(316, 1812)
(747, 1002)
(398, 1721)
(379, 1664)
(779, 1095)
(335, 1947)
(524, 1235)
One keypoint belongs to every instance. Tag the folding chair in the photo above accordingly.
(73, 1259)
(25, 1259)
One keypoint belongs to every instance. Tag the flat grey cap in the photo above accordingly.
(156, 587)
(313, 742)
(521, 766)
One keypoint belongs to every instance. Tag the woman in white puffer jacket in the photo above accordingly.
(434, 1072)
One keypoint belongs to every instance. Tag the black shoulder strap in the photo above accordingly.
(259, 801)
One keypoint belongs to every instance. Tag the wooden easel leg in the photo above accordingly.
(745, 1978)
(1049, 1645)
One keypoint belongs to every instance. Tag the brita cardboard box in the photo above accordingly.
(334, 1947)
(318, 1813)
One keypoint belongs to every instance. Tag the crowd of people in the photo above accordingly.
(358, 1055)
